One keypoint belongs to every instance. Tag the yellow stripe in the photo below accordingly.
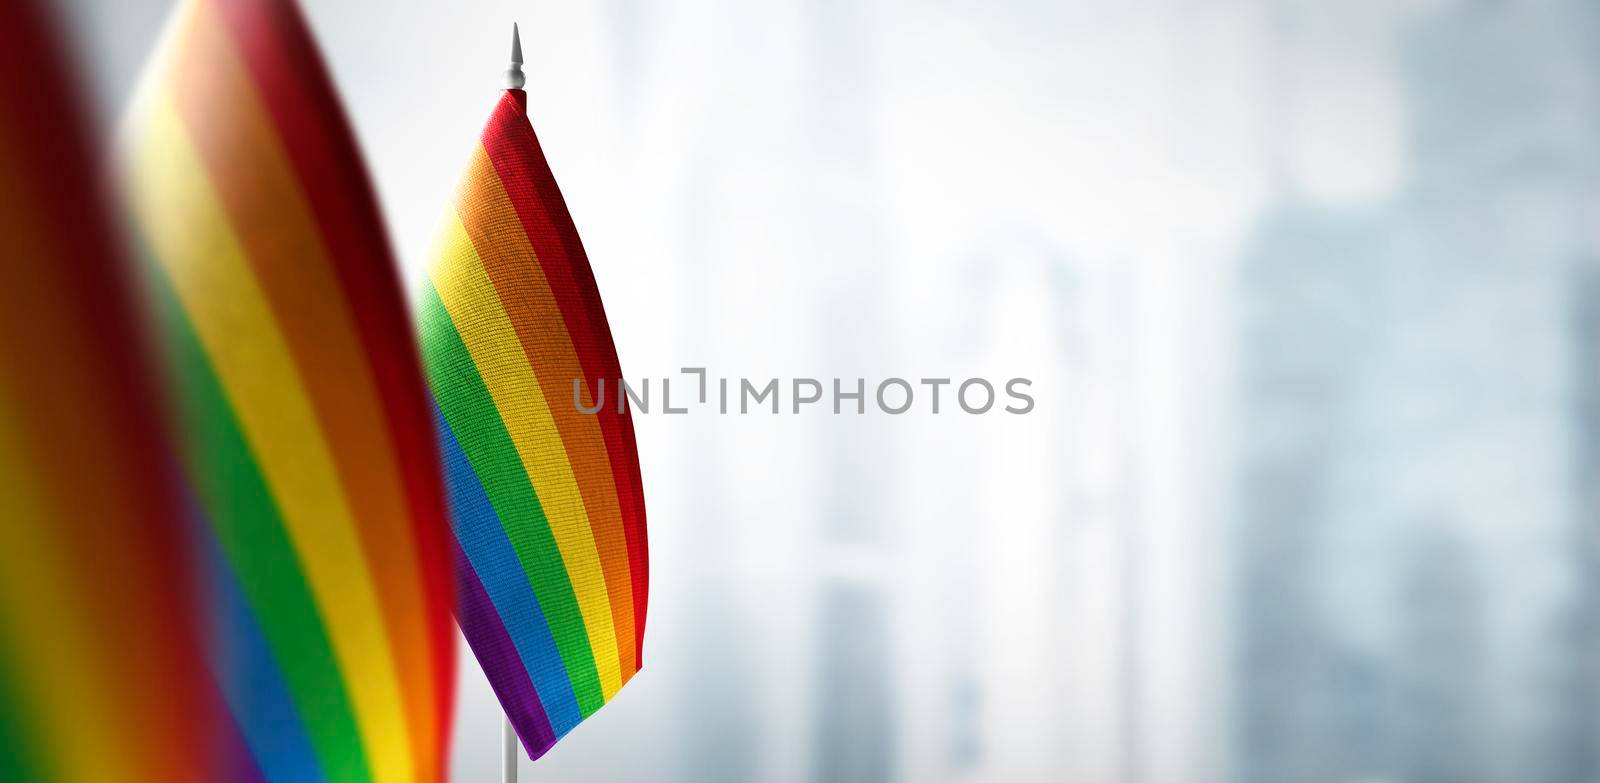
(67, 675)
(272, 217)
(43, 625)
(475, 307)
(514, 270)
(182, 219)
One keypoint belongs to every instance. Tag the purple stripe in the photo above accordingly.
(237, 762)
(499, 658)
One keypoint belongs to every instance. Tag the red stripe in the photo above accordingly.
(517, 157)
(278, 49)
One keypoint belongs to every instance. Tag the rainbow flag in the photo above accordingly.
(307, 427)
(99, 631)
(552, 572)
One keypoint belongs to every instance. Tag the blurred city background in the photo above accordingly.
(1309, 292)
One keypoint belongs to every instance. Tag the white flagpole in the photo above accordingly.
(508, 751)
(508, 735)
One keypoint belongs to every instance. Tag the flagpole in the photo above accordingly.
(514, 77)
(508, 750)
(514, 80)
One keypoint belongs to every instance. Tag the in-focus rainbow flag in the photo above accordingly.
(546, 501)
(100, 640)
(308, 435)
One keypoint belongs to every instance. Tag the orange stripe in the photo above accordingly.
(270, 213)
(496, 231)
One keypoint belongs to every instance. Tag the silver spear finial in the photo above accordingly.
(514, 77)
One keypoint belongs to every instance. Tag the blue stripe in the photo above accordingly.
(253, 685)
(484, 540)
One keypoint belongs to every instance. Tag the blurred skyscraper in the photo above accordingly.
(854, 714)
(1579, 635)
(1306, 704)
(1415, 454)
(1028, 688)
(1441, 660)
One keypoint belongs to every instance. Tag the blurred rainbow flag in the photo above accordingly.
(100, 636)
(546, 501)
(306, 423)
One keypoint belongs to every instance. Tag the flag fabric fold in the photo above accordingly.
(306, 426)
(100, 633)
(546, 500)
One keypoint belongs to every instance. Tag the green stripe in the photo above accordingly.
(17, 748)
(251, 535)
(471, 413)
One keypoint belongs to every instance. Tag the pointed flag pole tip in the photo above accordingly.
(514, 77)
